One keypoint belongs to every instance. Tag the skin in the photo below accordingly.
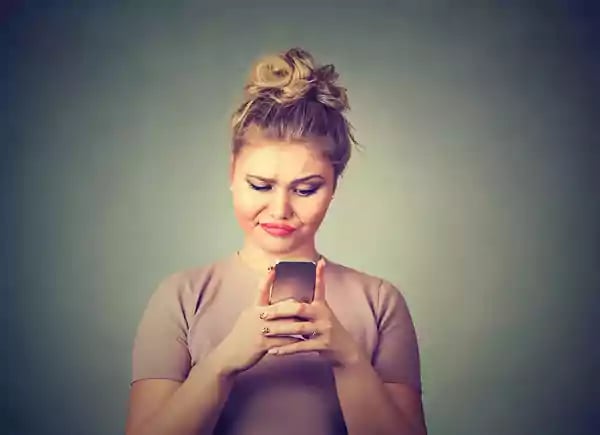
(393, 407)
(283, 199)
(291, 183)
(244, 347)
(161, 406)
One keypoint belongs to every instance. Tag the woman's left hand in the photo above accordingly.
(322, 330)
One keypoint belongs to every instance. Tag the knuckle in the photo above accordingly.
(306, 328)
(302, 310)
(286, 307)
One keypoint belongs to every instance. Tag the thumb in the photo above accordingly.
(264, 289)
(320, 281)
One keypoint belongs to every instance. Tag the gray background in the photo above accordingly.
(477, 192)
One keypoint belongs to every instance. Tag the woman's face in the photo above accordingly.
(281, 183)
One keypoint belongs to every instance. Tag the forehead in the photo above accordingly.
(282, 160)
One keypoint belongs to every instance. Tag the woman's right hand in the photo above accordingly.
(245, 345)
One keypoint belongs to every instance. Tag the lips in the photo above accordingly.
(278, 229)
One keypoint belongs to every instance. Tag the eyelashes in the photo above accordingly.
(300, 192)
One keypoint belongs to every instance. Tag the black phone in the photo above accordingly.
(294, 280)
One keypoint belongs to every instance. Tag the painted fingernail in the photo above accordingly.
(263, 315)
(265, 330)
(270, 268)
(273, 351)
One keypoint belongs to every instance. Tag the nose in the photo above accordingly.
(280, 206)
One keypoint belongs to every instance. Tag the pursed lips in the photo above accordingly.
(278, 226)
(278, 230)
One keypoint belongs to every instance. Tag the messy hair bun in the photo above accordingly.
(289, 97)
(287, 77)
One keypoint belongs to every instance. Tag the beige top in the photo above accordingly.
(193, 310)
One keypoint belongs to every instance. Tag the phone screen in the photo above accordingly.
(294, 280)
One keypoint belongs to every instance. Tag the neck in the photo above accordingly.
(261, 260)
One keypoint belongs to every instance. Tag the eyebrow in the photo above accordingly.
(296, 181)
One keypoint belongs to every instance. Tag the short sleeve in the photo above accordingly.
(160, 346)
(396, 356)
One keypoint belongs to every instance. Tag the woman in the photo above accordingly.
(212, 356)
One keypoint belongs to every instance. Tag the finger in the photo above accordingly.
(273, 342)
(289, 308)
(264, 290)
(320, 281)
(290, 328)
(300, 346)
(281, 341)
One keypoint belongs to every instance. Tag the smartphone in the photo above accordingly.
(294, 280)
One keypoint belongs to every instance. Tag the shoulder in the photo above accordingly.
(181, 290)
(376, 288)
(340, 272)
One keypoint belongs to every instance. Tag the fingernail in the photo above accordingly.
(270, 268)
(273, 351)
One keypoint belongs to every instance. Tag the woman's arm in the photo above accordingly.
(393, 406)
(162, 407)
(369, 407)
(191, 407)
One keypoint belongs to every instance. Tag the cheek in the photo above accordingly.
(246, 208)
(312, 213)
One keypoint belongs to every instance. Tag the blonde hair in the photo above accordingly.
(289, 97)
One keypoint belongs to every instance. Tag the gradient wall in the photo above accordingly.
(477, 192)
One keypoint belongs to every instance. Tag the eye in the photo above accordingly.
(307, 192)
(259, 188)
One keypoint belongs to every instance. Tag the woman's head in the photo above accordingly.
(290, 126)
